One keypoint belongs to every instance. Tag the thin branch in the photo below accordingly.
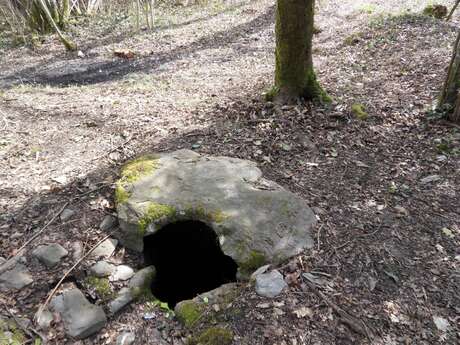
(51, 294)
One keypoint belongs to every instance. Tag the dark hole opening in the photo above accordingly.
(188, 260)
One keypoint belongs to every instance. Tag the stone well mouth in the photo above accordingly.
(188, 261)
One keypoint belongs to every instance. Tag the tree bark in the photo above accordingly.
(449, 100)
(294, 74)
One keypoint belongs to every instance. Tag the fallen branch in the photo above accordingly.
(51, 294)
(452, 10)
(24, 329)
(354, 323)
(37, 234)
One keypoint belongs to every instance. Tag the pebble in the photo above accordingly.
(105, 249)
(66, 214)
(124, 297)
(15, 279)
(50, 255)
(126, 338)
(44, 319)
(102, 269)
(122, 272)
(81, 318)
(270, 284)
(108, 223)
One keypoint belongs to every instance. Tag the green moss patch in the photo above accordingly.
(213, 336)
(189, 312)
(101, 286)
(155, 211)
(137, 168)
(130, 173)
(254, 261)
(359, 112)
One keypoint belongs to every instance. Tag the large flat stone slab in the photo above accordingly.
(256, 220)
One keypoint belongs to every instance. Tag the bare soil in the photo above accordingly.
(388, 238)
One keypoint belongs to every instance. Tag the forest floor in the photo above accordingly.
(386, 190)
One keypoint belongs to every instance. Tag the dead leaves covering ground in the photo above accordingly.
(386, 190)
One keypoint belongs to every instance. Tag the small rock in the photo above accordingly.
(122, 272)
(108, 223)
(143, 278)
(50, 255)
(105, 249)
(66, 214)
(270, 284)
(15, 279)
(80, 317)
(77, 250)
(102, 269)
(429, 179)
(126, 338)
(2, 260)
(124, 297)
(44, 319)
(441, 323)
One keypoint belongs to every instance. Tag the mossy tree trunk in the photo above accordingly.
(294, 74)
(450, 95)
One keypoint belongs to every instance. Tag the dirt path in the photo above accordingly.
(66, 123)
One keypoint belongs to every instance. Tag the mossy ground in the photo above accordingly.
(189, 312)
(359, 112)
(213, 336)
(101, 286)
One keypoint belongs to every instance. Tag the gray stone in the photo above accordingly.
(80, 317)
(44, 319)
(222, 294)
(102, 269)
(429, 179)
(108, 223)
(270, 284)
(15, 278)
(124, 297)
(105, 249)
(256, 220)
(77, 250)
(50, 255)
(122, 272)
(66, 214)
(2, 260)
(126, 338)
(142, 278)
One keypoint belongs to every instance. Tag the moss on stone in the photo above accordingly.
(189, 312)
(144, 292)
(254, 261)
(137, 168)
(201, 213)
(153, 212)
(359, 112)
(213, 336)
(16, 337)
(130, 173)
(101, 286)
(121, 194)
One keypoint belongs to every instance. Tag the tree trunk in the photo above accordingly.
(294, 74)
(449, 100)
